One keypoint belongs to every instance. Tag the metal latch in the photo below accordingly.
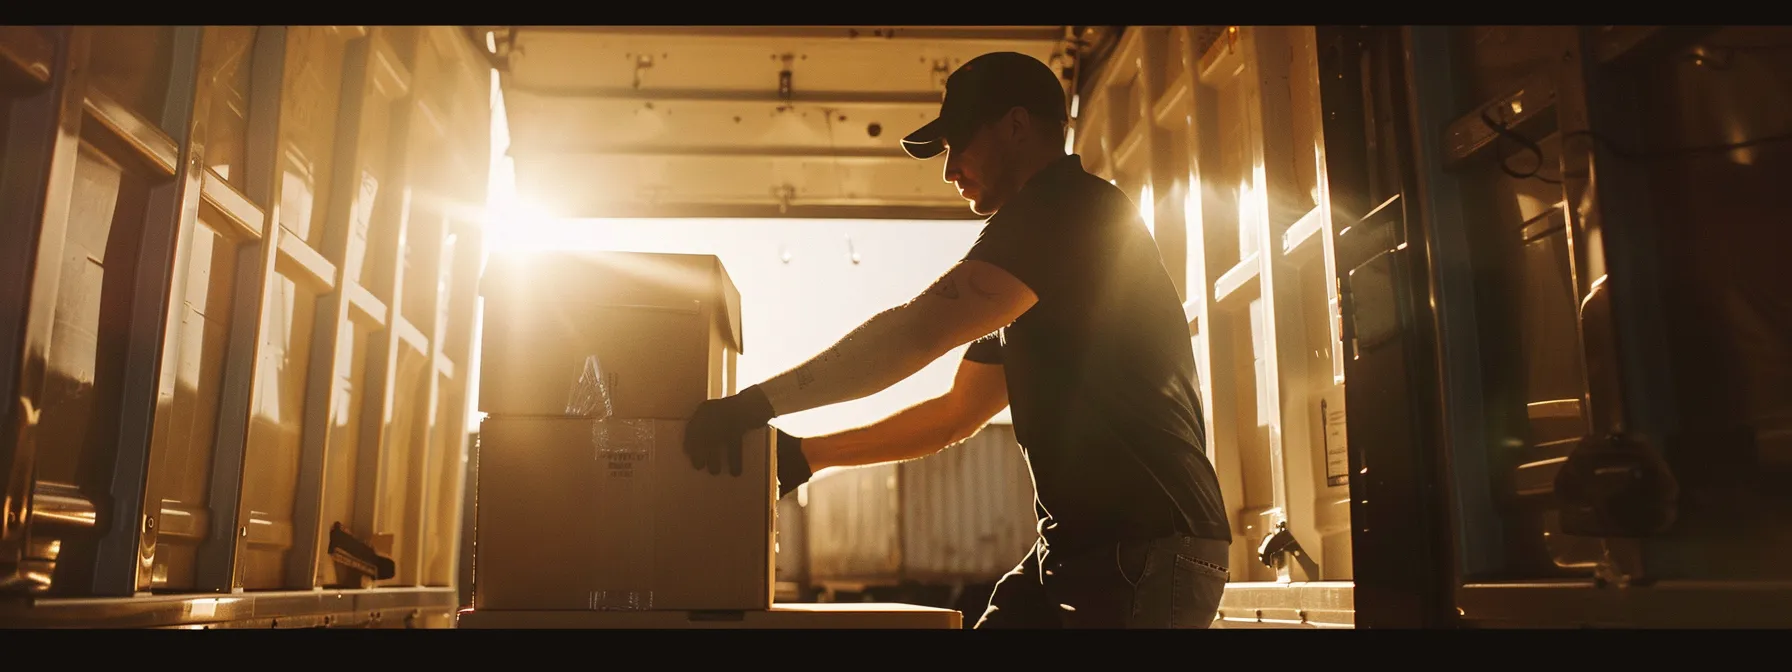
(1276, 547)
(1616, 486)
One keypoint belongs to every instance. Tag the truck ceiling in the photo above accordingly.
(740, 121)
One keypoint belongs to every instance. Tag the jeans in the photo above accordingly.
(1170, 582)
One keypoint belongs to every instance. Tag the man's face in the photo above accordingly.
(977, 163)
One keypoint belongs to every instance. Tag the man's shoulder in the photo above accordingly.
(1076, 197)
(1074, 182)
(1085, 195)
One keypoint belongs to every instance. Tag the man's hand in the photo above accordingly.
(713, 433)
(793, 465)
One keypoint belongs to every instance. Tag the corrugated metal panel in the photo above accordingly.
(852, 525)
(793, 549)
(963, 514)
(967, 512)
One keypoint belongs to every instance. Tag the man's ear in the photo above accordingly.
(1018, 123)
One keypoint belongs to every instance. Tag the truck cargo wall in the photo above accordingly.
(238, 308)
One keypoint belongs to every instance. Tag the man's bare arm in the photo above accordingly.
(972, 300)
(978, 393)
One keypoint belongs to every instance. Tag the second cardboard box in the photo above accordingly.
(580, 514)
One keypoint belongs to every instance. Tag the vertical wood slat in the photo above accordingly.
(188, 101)
(221, 551)
(378, 436)
(1255, 209)
(464, 258)
(37, 187)
(171, 205)
(328, 343)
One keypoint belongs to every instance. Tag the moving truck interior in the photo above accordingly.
(1489, 321)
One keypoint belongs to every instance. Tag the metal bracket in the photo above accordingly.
(642, 63)
(784, 80)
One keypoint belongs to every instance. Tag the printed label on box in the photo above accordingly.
(620, 600)
(624, 447)
(623, 451)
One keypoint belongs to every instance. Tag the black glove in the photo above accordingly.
(793, 465)
(714, 431)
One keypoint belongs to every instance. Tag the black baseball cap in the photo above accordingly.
(983, 89)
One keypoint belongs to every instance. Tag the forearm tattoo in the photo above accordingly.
(880, 352)
(945, 287)
(806, 373)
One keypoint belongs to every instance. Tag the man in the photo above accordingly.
(1073, 324)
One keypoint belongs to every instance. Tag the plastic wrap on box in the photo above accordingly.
(590, 396)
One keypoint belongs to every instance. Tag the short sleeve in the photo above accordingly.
(1027, 242)
(986, 350)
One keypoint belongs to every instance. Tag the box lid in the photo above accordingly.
(641, 278)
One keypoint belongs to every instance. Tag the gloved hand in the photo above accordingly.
(713, 433)
(793, 465)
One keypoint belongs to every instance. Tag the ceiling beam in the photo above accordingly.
(699, 210)
(706, 152)
(867, 33)
(837, 98)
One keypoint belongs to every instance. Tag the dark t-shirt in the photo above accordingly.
(1100, 372)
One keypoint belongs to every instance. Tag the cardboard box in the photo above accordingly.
(869, 616)
(587, 515)
(664, 329)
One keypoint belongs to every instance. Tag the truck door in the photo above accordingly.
(1604, 333)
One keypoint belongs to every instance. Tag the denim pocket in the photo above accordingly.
(1132, 560)
(1196, 588)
